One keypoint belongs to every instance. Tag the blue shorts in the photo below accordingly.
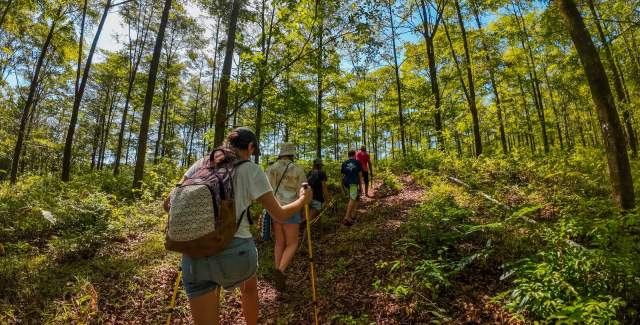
(295, 219)
(227, 269)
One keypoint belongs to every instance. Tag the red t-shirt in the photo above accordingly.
(364, 159)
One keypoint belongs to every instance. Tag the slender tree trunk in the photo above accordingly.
(530, 137)
(429, 32)
(619, 169)
(68, 146)
(398, 82)
(214, 72)
(5, 12)
(27, 106)
(136, 57)
(617, 81)
(221, 111)
(80, 43)
(553, 107)
(97, 136)
(163, 110)
(535, 83)
(165, 131)
(194, 122)
(107, 129)
(319, 81)
(494, 84)
(468, 92)
(148, 99)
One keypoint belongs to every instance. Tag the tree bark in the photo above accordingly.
(319, 85)
(136, 57)
(533, 75)
(80, 43)
(5, 12)
(429, 32)
(148, 99)
(68, 145)
(619, 169)
(470, 91)
(530, 138)
(494, 84)
(398, 82)
(223, 101)
(27, 106)
(617, 80)
(214, 72)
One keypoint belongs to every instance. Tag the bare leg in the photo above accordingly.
(204, 309)
(280, 243)
(249, 297)
(292, 240)
(353, 209)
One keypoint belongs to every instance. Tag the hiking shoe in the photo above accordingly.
(279, 280)
(347, 222)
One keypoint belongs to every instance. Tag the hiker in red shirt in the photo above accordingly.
(363, 157)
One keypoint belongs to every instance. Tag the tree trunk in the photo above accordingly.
(398, 82)
(223, 101)
(163, 110)
(530, 138)
(27, 106)
(494, 84)
(136, 56)
(5, 12)
(429, 33)
(80, 43)
(68, 145)
(319, 81)
(468, 92)
(617, 81)
(535, 84)
(619, 169)
(214, 72)
(553, 107)
(105, 135)
(148, 99)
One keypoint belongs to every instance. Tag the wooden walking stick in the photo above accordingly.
(311, 264)
(173, 297)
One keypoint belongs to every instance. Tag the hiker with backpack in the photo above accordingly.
(286, 177)
(352, 184)
(222, 253)
(317, 179)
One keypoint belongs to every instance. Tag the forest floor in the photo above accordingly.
(347, 264)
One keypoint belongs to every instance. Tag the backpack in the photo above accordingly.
(313, 178)
(202, 219)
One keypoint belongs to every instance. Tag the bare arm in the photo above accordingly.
(282, 213)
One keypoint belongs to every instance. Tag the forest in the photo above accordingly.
(503, 135)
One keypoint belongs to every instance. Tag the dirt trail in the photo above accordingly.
(346, 258)
(346, 263)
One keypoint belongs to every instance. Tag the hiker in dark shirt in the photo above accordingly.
(317, 179)
(352, 183)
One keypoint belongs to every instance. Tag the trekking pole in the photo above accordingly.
(313, 271)
(173, 297)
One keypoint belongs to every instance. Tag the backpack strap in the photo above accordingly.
(236, 165)
(282, 177)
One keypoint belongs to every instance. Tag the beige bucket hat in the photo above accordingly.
(287, 149)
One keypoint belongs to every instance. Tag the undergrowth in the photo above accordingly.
(543, 228)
